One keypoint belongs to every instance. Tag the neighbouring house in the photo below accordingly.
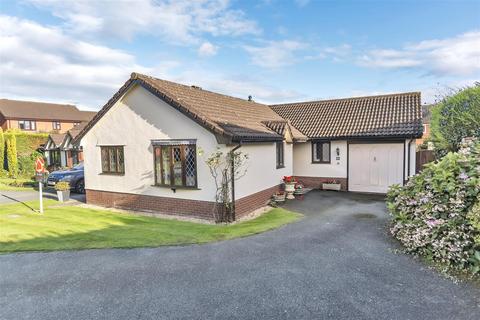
(426, 118)
(32, 116)
(146, 148)
(62, 150)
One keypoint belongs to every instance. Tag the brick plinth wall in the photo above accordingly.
(254, 201)
(165, 205)
(316, 182)
(173, 206)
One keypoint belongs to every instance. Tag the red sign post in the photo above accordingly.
(40, 165)
(40, 170)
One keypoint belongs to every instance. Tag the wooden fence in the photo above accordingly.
(423, 157)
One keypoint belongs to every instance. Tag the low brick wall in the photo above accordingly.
(173, 206)
(254, 201)
(139, 202)
(315, 182)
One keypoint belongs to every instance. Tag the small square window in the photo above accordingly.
(112, 159)
(320, 152)
(56, 125)
(27, 125)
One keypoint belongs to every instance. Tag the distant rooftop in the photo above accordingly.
(17, 109)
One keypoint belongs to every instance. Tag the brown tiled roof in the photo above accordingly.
(392, 115)
(77, 129)
(232, 118)
(57, 138)
(16, 109)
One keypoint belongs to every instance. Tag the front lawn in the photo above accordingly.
(73, 227)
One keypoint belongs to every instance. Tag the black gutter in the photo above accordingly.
(233, 178)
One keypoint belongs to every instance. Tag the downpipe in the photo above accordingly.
(232, 173)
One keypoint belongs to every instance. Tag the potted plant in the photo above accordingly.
(63, 191)
(331, 185)
(289, 186)
(299, 189)
(279, 196)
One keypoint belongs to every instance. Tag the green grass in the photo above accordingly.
(5, 184)
(71, 227)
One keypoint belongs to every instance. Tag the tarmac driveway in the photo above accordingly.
(336, 263)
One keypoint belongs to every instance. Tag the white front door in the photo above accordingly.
(373, 167)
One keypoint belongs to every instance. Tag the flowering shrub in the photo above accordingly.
(474, 217)
(289, 179)
(430, 213)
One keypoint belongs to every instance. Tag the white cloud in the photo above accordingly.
(302, 3)
(43, 62)
(240, 86)
(275, 54)
(207, 49)
(458, 56)
(179, 21)
(341, 50)
(336, 53)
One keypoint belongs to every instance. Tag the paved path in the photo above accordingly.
(7, 197)
(336, 263)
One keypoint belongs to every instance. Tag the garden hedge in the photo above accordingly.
(432, 213)
(22, 151)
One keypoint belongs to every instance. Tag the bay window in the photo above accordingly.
(175, 163)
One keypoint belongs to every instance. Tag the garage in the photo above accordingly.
(373, 167)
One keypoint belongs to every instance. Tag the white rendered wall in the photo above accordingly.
(262, 172)
(303, 166)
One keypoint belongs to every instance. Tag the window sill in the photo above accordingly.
(319, 162)
(280, 167)
(111, 174)
(175, 187)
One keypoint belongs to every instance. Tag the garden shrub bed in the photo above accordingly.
(436, 214)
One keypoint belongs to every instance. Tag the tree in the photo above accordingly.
(2, 150)
(12, 155)
(456, 116)
(226, 167)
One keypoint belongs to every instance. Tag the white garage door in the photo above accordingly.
(374, 167)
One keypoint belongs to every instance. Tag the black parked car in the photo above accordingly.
(74, 176)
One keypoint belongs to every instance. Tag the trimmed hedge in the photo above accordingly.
(22, 151)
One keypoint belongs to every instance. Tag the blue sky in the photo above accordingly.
(277, 51)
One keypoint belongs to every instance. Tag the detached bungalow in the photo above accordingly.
(146, 148)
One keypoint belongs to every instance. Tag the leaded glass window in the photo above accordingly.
(112, 158)
(175, 165)
(321, 152)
